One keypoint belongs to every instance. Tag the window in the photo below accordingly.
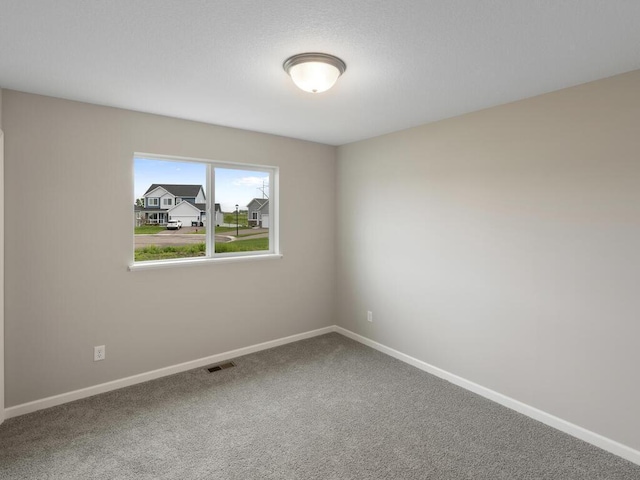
(212, 203)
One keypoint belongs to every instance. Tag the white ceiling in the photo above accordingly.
(408, 62)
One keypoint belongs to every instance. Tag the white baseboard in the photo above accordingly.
(152, 375)
(588, 436)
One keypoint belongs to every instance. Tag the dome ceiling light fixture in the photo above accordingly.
(314, 72)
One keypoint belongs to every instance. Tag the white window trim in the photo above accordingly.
(154, 201)
(199, 261)
(274, 233)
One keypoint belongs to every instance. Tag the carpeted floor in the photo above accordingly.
(324, 408)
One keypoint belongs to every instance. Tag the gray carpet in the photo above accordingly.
(324, 408)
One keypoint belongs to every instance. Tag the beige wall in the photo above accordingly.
(67, 284)
(504, 246)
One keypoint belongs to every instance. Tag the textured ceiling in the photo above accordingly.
(220, 62)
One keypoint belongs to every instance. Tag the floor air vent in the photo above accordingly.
(221, 366)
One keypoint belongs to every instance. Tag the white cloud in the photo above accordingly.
(252, 181)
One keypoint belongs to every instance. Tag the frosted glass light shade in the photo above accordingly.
(314, 72)
(314, 77)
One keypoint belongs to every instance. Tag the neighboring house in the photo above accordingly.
(187, 203)
(258, 212)
(138, 215)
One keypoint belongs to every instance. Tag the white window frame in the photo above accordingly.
(167, 202)
(212, 257)
(154, 201)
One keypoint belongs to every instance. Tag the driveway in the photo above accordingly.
(174, 239)
(181, 237)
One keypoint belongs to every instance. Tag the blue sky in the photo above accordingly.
(232, 186)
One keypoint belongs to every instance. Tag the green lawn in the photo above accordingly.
(148, 229)
(231, 218)
(248, 245)
(154, 252)
(226, 229)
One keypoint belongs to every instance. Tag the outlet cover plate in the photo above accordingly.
(99, 353)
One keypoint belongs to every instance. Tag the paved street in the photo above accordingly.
(177, 238)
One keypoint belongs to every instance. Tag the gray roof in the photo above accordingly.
(261, 202)
(177, 190)
(200, 206)
(150, 209)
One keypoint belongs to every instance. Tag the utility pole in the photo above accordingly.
(263, 190)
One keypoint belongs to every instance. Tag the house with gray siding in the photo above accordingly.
(258, 212)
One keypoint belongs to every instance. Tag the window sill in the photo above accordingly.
(192, 262)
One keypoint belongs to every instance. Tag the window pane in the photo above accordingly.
(157, 184)
(242, 210)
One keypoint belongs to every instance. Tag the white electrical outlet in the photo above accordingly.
(99, 353)
(369, 316)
